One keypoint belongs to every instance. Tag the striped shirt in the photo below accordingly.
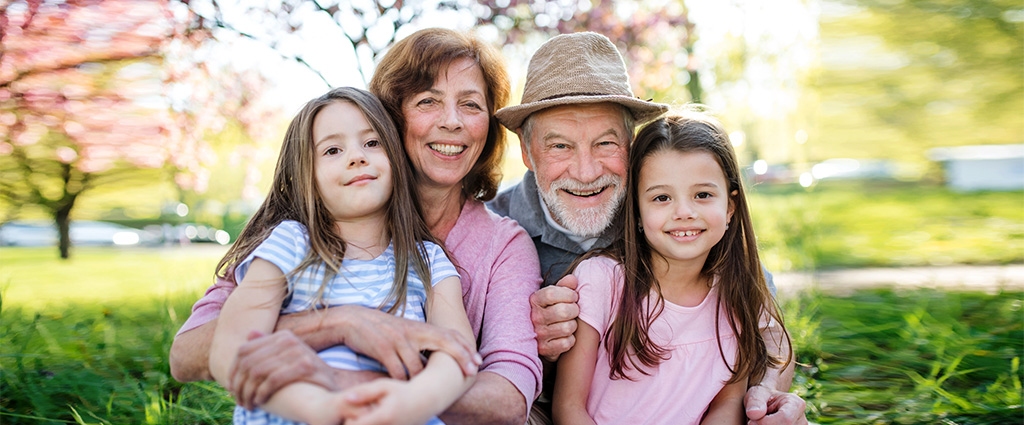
(361, 282)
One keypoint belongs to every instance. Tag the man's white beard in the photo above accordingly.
(584, 222)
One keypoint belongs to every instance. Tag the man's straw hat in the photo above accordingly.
(573, 69)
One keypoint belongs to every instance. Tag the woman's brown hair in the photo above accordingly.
(742, 289)
(295, 196)
(412, 65)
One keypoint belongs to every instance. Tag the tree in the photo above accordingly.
(82, 101)
(654, 36)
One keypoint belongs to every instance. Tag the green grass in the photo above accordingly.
(918, 357)
(841, 224)
(86, 340)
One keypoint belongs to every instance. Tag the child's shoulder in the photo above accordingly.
(598, 266)
(288, 230)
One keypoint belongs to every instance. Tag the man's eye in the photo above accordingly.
(560, 146)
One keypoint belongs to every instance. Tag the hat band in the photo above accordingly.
(558, 96)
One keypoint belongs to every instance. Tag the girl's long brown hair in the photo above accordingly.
(295, 196)
(733, 260)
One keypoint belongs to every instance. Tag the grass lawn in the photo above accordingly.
(858, 224)
(86, 341)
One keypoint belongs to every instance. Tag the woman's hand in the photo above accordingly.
(267, 363)
(396, 343)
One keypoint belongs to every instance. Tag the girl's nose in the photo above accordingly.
(686, 211)
(356, 158)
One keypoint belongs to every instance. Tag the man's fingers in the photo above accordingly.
(569, 281)
(552, 349)
(756, 402)
(551, 295)
(765, 407)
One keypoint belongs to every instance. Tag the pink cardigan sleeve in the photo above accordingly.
(507, 340)
(208, 307)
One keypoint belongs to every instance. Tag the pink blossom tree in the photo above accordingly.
(82, 100)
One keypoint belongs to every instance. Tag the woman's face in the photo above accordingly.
(446, 125)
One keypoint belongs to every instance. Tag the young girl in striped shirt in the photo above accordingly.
(341, 226)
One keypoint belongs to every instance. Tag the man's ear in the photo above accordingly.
(523, 144)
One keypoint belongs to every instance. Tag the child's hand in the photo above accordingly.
(388, 401)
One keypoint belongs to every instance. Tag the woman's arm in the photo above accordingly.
(439, 384)
(727, 406)
(254, 307)
(575, 374)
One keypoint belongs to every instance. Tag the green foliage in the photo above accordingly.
(902, 76)
(858, 224)
(919, 357)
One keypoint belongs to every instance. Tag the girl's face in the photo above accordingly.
(351, 168)
(446, 125)
(683, 213)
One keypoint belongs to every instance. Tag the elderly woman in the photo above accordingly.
(442, 88)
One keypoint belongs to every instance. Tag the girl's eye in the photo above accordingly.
(661, 198)
(332, 151)
(372, 143)
(704, 195)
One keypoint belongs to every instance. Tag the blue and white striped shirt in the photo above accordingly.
(361, 282)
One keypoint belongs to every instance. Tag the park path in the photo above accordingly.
(958, 277)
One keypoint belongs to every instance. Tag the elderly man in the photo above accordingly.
(575, 123)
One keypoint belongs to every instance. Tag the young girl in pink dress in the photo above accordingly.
(670, 322)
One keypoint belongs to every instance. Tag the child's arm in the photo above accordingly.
(575, 373)
(254, 306)
(727, 406)
(435, 388)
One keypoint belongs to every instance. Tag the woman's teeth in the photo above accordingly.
(445, 149)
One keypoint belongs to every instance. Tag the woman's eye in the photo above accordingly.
(474, 105)
(425, 102)
(332, 151)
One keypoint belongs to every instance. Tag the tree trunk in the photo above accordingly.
(63, 218)
(696, 93)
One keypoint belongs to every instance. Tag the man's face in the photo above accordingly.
(578, 153)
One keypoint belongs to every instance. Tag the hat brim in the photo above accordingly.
(512, 117)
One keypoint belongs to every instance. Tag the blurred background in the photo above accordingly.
(882, 141)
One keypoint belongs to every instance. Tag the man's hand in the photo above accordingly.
(766, 406)
(553, 311)
(396, 343)
(268, 363)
